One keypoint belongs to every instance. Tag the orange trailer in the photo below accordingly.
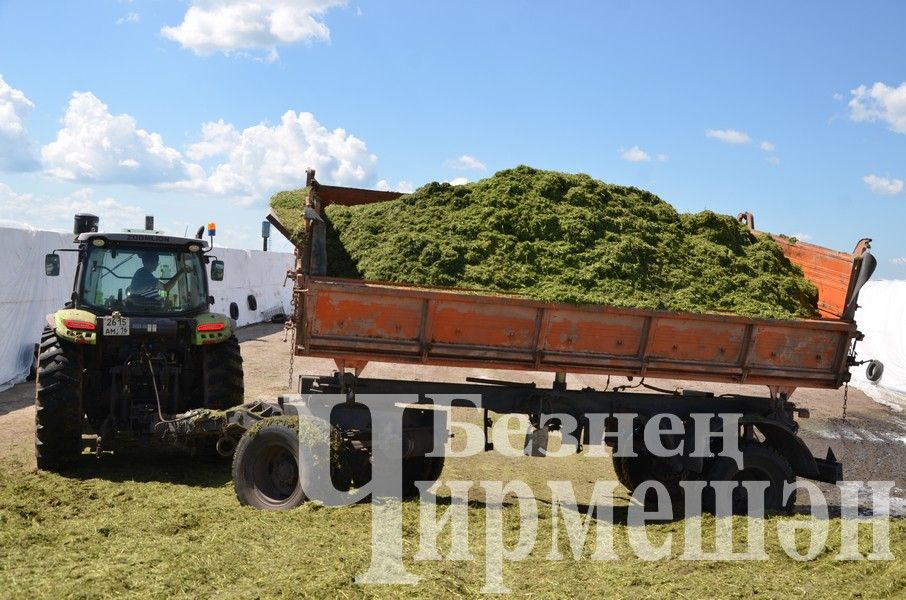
(355, 322)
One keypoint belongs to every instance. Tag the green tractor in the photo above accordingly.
(136, 344)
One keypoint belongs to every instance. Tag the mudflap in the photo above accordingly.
(830, 470)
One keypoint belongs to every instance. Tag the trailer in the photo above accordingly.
(355, 322)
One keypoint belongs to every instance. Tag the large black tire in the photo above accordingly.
(874, 371)
(266, 469)
(618, 462)
(646, 467)
(224, 386)
(420, 468)
(58, 406)
(760, 463)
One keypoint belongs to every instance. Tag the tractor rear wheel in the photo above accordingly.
(58, 406)
(224, 386)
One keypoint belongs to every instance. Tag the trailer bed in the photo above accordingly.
(357, 321)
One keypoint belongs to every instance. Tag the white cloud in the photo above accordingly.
(245, 165)
(662, 158)
(233, 25)
(17, 149)
(465, 163)
(132, 17)
(766, 146)
(94, 145)
(804, 237)
(459, 181)
(403, 186)
(880, 102)
(900, 260)
(773, 160)
(730, 136)
(635, 154)
(837, 96)
(56, 213)
(260, 159)
(883, 185)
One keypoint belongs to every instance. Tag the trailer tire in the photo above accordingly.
(58, 406)
(874, 370)
(645, 467)
(618, 462)
(760, 463)
(266, 469)
(420, 468)
(224, 385)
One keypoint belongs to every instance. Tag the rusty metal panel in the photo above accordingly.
(351, 320)
(781, 347)
(337, 313)
(829, 270)
(497, 325)
(576, 331)
(693, 340)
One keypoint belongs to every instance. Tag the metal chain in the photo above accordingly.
(291, 325)
(845, 399)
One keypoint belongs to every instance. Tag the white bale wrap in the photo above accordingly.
(881, 318)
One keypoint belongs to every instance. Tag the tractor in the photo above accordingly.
(135, 345)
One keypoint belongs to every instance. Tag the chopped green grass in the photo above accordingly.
(167, 526)
(561, 237)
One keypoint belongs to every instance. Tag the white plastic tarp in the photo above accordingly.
(27, 295)
(256, 274)
(880, 317)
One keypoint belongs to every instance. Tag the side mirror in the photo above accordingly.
(51, 265)
(217, 270)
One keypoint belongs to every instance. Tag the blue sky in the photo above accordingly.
(200, 110)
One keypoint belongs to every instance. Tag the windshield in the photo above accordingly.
(143, 280)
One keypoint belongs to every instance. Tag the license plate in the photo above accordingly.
(116, 326)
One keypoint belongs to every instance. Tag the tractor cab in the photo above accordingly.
(163, 276)
(139, 272)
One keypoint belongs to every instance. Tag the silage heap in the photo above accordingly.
(565, 238)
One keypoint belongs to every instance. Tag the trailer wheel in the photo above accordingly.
(420, 468)
(645, 467)
(874, 370)
(58, 407)
(760, 463)
(619, 471)
(266, 469)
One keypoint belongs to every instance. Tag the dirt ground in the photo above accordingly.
(871, 443)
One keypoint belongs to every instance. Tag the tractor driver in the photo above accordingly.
(146, 284)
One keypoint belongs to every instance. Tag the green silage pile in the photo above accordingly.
(566, 238)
